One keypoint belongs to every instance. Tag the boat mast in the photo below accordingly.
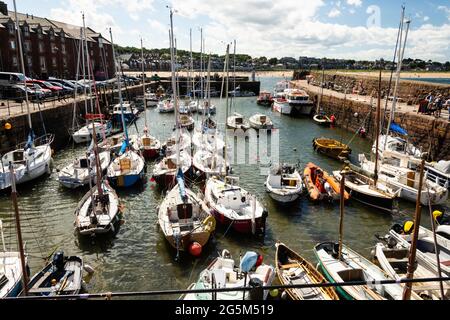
(19, 231)
(119, 87)
(201, 64)
(88, 66)
(208, 85)
(401, 52)
(174, 89)
(341, 209)
(377, 130)
(413, 248)
(234, 76)
(76, 89)
(226, 112)
(22, 65)
(192, 64)
(321, 88)
(143, 86)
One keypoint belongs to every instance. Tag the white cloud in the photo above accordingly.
(356, 3)
(334, 13)
(426, 18)
(446, 10)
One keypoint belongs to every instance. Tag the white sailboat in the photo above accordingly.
(284, 183)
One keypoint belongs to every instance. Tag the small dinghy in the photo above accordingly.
(125, 110)
(208, 164)
(151, 99)
(260, 121)
(354, 267)
(284, 183)
(164, 172)
(186, 121)
(293, 269)
(166, 106)
(184, 218)
(223, 273)
(264, 99)
(363, 189)
(237, 121)
(63, 276)
(127, 169)
(320, 185)
(332, 148)
(322, 119)
(100, 217)
(84, 134)
(233, 206)
(77, 175)
(393, 259)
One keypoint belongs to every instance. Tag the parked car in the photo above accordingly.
(11, 78)
(66, 89)
(41, 93)
(56, 90)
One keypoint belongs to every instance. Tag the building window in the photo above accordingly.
(64, 62)
(29, 61)
(41, 47)
(63, 48)
(54, 61)
(42, 62)
(52, 35)
(11, 28)
(14, 61)
(26, 31)
(54, 48)
(27, 46)
(12, 44)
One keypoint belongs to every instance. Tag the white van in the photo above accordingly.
(11, 78)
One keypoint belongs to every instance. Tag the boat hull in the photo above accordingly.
(241, 226)
(283, 108)
(285, 198)
(125, 181)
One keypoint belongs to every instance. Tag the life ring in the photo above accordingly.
(209, 223)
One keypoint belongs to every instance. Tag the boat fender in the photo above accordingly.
(209, 223)
(243, 199)
(88, 269)
(226, 254)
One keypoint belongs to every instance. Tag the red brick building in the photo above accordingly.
(50, 47)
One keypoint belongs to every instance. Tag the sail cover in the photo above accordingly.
(30, 140)
(180, 182)
(396, 128)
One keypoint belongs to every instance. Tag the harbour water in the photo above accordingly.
(138, 257)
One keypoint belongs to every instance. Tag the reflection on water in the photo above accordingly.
(138, 257)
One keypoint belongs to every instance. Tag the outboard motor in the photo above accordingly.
(256, 291)
(58, 260)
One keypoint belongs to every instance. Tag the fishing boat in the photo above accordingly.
(322, 119)
(293, 269)
(237, 121)
(363, 189)
(84, 134)
(425, 247)
(127, 110)
(332, 148)
(352, 266)
(279, 90)
(281, 105)
(284, 183)
(186, 122)
(207, 164)
(165, 106)
(62, 276)
(260, 121)
(407, 181)
(299, 101)
(184, 218)
(11, 276)
(264, 99)
(77, 174)
(320, 185)
(222, 272)
(234, 207)
(393, 259)
(98, 211)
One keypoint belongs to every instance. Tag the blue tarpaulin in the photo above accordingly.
(30, 140)
(124, 146)
(180, 180)
(248, 261)
(396, 128)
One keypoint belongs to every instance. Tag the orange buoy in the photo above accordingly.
(8, 126)
(195, 249)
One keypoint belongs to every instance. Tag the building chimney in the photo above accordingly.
(3, 8)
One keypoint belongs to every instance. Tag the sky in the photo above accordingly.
(350, 29)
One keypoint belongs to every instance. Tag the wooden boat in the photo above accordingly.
(393, 259)
(354, 267)
(284, 183)
(322, 119)
(184, 218)
(363, 189)
(237, 121)
(260, 121)
(264, 99)
(77, 175)
(331, 148)
(320, 185)
(223, 273)
(233, 206)
(104, 217)
(293, 269)
(126, 170)
(63, 276)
